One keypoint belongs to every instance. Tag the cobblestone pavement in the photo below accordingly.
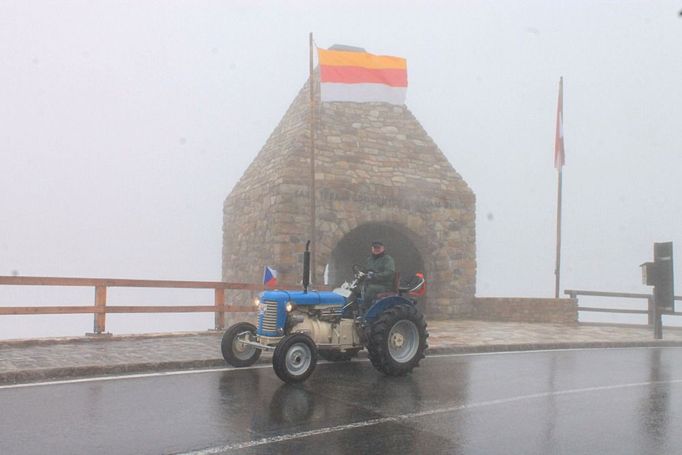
(40, 359)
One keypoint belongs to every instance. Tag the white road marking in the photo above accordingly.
(128, 376)
(402, 417)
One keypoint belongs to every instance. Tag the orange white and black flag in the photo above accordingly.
(559, 152)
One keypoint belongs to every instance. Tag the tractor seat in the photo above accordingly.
(413, 286)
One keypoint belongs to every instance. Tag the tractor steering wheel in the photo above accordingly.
(358, 269)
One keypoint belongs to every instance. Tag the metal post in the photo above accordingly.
(557, 269)
(658, 323)
(559, 157)
(312, 162)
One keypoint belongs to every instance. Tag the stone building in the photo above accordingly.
(378, 175)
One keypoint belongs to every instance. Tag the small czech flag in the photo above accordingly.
(269, 277)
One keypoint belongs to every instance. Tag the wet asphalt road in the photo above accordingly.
(612, 401)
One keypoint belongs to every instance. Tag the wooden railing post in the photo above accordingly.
(219, 312)
(100, 304)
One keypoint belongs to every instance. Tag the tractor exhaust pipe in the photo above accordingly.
(306, 267)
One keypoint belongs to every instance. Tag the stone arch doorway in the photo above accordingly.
(354, 248)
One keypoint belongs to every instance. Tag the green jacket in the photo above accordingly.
(384, 270)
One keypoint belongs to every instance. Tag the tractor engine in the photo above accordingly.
(320, 315)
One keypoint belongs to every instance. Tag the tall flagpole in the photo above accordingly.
(559, 159)
(557, 270)
(313, 243)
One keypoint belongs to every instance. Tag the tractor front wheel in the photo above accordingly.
(294, 358)
(397, 340)
(234, 351)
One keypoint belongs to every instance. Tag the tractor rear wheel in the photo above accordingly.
(234, 351)
(397, 340)
(295, 358)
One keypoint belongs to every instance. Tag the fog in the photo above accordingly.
(124, 125)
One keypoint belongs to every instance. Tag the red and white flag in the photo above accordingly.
(362, 77)
(559, 152)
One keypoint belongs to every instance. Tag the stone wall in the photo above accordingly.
(562, 311)
(377, 173)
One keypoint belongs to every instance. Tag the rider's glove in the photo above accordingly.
(370, 275)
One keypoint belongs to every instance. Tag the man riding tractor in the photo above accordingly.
(380, 275)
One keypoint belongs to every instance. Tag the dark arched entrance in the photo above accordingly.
(354, 248)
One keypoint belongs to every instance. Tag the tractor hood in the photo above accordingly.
(302, 298)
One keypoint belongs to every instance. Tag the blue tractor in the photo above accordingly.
(335, 325)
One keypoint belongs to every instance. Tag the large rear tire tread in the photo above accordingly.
(235, 353)
(378, 340)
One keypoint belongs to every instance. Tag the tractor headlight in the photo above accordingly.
(256, 302)
(289, 306)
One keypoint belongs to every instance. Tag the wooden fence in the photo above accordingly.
(100, 308)
(574, 294)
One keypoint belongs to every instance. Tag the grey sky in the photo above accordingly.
(123, 126)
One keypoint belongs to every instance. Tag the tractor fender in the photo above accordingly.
(385, 303)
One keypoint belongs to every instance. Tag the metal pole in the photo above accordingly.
(557, 269)
(312, 165)
(658, 323)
